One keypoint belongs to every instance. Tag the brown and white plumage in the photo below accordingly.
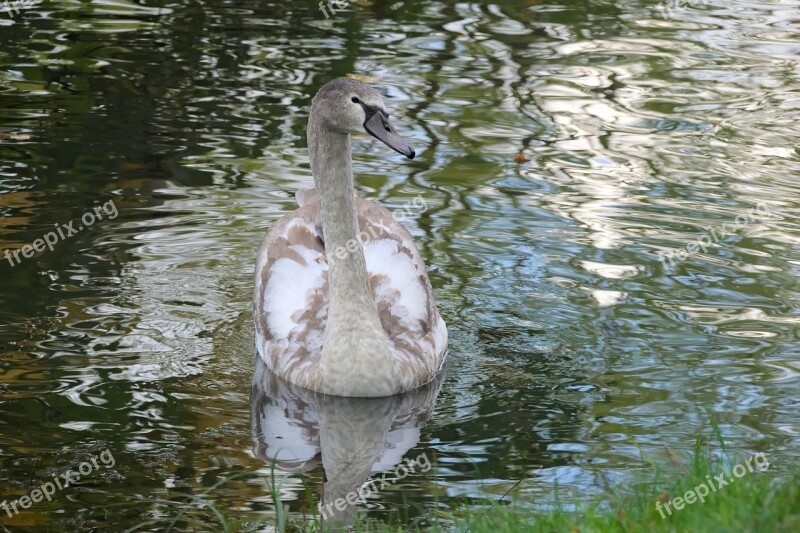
(343, 303)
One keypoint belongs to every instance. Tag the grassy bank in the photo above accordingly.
(764, 500)
(708, 492)
(765, 509)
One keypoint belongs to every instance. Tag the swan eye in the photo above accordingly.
(355, 100)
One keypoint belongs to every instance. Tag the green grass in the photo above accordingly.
(759, 500)
(765, 498)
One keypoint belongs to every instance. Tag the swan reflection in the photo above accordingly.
(352, 438)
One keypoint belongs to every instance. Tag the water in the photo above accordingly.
(577, 354)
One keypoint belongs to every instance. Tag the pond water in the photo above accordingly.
(635, 277)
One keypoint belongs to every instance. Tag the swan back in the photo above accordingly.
(292, 296)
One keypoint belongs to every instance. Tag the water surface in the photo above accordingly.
(579, 352)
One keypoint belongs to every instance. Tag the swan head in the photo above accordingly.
(350, 106)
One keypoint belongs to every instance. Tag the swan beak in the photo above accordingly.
(378, 126)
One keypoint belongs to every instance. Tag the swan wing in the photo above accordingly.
(403, 294)
(291, 295)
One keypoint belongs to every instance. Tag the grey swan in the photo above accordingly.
(343, 304)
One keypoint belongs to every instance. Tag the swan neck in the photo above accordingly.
(355, 359)
(331, 165)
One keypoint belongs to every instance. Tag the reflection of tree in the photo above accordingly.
(127, 102)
